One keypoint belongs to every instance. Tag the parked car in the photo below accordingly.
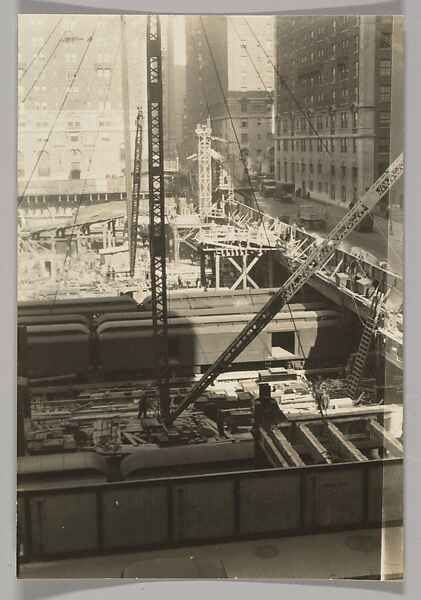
(285, 192)
(268, 187)
(312, 217)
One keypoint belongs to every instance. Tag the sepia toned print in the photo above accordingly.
(210, 297)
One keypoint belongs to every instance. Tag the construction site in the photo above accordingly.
(209, 367)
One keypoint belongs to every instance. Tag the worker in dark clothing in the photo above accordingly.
(220, 423)
(143, 407)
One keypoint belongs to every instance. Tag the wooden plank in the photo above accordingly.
(315, 448)
(379, 433)
(271, 451)
(346, 446)
(286, 449)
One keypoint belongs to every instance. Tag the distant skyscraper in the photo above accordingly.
(339, 70)
(230, 78)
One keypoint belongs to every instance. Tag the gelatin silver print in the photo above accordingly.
(210, 297)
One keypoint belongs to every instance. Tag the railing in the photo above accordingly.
(125, 516)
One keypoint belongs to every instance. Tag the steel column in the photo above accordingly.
(157, 210)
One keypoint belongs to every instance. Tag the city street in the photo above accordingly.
(384, 245)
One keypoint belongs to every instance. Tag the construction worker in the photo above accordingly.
(143, 407)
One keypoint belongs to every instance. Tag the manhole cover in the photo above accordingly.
(363, 543)
(266, 551)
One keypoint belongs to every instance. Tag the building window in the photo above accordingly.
(332, 192)
(311, 167)
(332, 171)
(259, 152)
(343, 171)
(21, 170)
(344, 93)
(43, 164)
(357, 68)
(333, 50)
(356, 94)
(319, 145)
(303, 145)
(343, 145)
(357, 42)
(122, 154)
(385, 40)
(354, 145)
(332, 144)
(385, 68)
(343, 193)
(384, 119)
(244, 138)
(259, 137)
(333, 75)
(319, 169)
(244, 106)
(384, 93)
(74, 138)
(285, 144)
(243, 123)
(319, 187)
(344, 120)
(74, 164)
(310, 145)
(354, 173)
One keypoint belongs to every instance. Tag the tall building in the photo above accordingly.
(180, 111)
(227, 67)
(71, 133)
(337, 75)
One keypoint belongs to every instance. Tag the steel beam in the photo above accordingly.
(313, 445)
(286, 449)
(386, 439)
(346, 447)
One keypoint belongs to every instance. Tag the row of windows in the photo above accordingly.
(321, 145)
(255, 106)
(327, 121)
(44, 167)
(331, 98)
(302, 168)
(245, 137)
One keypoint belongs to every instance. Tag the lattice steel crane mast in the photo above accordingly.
(137, 171)
(316, 259)
(157, 210)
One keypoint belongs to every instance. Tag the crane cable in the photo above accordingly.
(74, 226)
(41, 49)
(47, 139)
(44, 66)
(292, 95)
(248, 175)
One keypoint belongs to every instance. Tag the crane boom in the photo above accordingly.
(137, 170)
(304, 272)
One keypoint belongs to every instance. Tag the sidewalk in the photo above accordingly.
(345, 554)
